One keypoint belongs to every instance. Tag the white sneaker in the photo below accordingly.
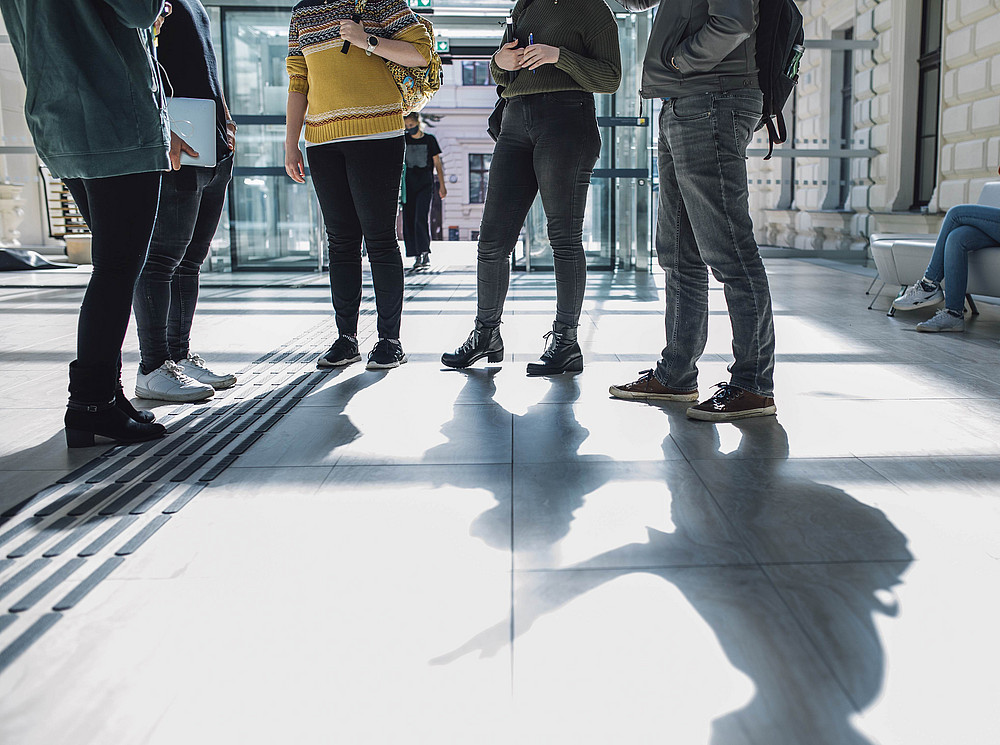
(917, 295)
(942, 321)
(169, 383)
(194, 367)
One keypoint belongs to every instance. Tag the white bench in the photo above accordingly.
(901, 259)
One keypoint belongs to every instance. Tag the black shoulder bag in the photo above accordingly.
(496, 118)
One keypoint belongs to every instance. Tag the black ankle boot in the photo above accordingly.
(136, 415)
(481, 343)
(85, 421)
(562, 353)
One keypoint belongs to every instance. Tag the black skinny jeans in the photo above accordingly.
(357, 183)
(417, 213)
(120, 212)
(166, 293)
(548, 144)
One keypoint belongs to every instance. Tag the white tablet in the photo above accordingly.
(194, 121)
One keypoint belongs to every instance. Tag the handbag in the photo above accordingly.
(417, 85)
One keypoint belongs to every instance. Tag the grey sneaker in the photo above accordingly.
(194, 366)
(943, 320)
(919, 294)
(387, 353)
(169, 383)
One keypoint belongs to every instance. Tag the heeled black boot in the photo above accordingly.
(86, 421)
(562, 353)
(122, 402)
(482, 342)
(136, 415)
(93, 410)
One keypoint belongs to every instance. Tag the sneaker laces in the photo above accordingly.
(198, 361)
(175, 371)
(726, 393)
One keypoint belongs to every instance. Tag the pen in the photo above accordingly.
(531, 40)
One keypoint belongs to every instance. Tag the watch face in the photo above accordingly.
(373, 41)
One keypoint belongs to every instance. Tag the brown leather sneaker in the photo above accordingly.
(729, 403)
(648, 388)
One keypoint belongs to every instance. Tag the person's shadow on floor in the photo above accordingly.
(780, 542)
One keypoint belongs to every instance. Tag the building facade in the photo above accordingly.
(913, 88)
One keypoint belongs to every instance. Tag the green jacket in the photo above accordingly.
(94, 102)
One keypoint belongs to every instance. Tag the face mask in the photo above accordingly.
(412, 130)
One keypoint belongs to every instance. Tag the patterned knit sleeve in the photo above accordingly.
(295, 63)
(600, 69)
(400, 23)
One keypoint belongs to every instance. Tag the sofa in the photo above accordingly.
(901, 259)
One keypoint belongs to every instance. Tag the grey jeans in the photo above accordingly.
(704, 221)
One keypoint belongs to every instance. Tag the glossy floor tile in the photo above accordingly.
(424, 555)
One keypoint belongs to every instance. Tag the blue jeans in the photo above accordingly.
(548, 145)
(704, 220)
(967, 227)
(166, 294)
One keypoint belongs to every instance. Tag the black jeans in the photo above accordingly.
(548, 145)
(120, 212)
(417, 213)
(166, 293)
(357, 183)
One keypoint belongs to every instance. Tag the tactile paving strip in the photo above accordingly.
(92, 519)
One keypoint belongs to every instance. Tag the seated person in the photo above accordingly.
(966, 228)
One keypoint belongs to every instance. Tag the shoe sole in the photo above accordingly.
(183, 398)
(350, 361)
(492, 357)
(224, 384)
(712, 416)
(956, 329)
(387, 365)
(924, 304)
(630, 396)
(541, 372)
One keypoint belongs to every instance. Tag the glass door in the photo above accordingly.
(275, 224)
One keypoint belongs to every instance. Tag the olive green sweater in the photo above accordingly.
(587, 36)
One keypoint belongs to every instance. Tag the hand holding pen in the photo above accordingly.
(536, 55)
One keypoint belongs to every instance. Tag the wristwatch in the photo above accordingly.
(372, 43)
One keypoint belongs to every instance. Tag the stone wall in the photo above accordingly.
(794, 205)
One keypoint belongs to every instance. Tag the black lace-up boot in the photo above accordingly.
(562, 352)
(482, 342)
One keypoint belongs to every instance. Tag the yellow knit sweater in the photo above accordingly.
(353, 94)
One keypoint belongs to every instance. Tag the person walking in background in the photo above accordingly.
(340, 87)
(423, 158)
(557, 57)
(190, 206)
(701, 62)
(966, 228)
(98, 120)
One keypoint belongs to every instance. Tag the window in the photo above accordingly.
(476, 72)
(479, 176)
(925, 177)
(841, 123)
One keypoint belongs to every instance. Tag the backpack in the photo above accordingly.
(417, 85)
(779, 50)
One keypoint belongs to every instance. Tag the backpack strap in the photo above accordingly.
(776, 132)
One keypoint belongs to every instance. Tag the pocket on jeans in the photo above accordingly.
(692, 108)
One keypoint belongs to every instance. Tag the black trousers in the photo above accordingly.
(417, 214)
(120, 212)
(357, 183)
(548, 145)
